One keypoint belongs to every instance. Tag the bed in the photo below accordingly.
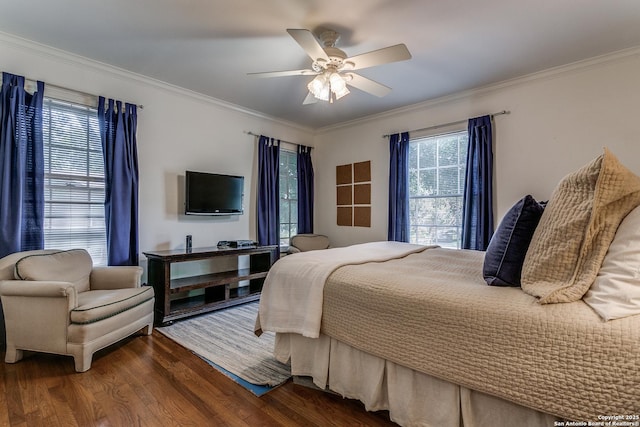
(417, 331)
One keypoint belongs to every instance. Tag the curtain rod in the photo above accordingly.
(248, 132)
(140, 106)
(62, 88)
(457, 122)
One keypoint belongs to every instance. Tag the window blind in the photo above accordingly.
(74, 179)
(436, 183)
(288, 196)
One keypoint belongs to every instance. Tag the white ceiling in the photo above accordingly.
(208, 46)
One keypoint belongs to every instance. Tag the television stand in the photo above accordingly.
(216, 287)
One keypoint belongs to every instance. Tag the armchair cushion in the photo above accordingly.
(73, 266)
(94, 306)
(8, 263)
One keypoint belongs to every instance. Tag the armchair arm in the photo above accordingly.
(36, 314)
(37, 288)
(115, 277)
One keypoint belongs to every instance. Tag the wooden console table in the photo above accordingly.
(218, 292)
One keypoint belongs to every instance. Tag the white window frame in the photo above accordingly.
(441, 229)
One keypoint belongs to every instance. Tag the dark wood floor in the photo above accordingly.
(151, 381)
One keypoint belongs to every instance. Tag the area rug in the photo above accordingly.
(226, 340)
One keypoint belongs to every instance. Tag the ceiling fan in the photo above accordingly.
(333, 68)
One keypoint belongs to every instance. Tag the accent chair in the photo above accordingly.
(308, 242)
(57, 302)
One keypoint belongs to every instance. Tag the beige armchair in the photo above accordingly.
(57, 302)
(308, 242)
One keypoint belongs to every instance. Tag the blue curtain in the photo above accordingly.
(305, 190)
(399, 188)
(268, 191)
(118, 133)
(21, 166)
(477, 212)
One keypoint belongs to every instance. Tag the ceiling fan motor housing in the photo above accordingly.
(329, 38)
(336, 60)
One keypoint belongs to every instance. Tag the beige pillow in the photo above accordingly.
(72, 266)
(576, 228)
(616, 291)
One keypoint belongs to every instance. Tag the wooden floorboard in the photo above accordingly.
(152, 381)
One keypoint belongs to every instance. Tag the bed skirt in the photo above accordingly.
(412, 398)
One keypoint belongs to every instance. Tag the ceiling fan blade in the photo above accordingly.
(309, 43)
(385, 55)
(284, 73)
(310, 99)
(367, 85)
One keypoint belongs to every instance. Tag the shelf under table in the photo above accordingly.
(189, 283)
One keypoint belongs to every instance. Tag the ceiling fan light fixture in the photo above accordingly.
(328, 86)
(319, 87)
(338, 85)
(341, 93)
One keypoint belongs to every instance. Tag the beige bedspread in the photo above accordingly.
(432, 312)
(291, 299)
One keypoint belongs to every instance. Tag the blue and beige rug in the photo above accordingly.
(226, 340)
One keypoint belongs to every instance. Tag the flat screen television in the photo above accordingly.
(213, 194)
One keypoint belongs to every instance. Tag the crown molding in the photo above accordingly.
(483, 90)
(81, 61)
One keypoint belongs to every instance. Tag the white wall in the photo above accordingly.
(177, 130)
(559, 120)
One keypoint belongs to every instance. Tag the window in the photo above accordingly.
(74, 179)
(288, 196)
(436, 183)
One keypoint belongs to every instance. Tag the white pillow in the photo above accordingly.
(616, 291)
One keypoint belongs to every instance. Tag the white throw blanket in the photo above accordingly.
(291, 299)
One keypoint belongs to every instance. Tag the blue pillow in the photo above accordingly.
(508, 246)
